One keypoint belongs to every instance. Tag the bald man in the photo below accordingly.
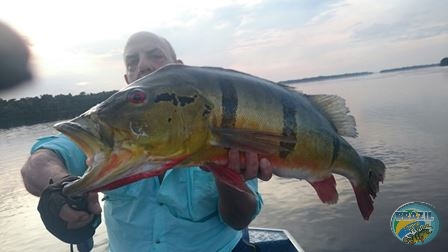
(182, 210)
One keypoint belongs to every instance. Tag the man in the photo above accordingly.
(185, 209)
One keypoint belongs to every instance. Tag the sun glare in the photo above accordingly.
(60, 31)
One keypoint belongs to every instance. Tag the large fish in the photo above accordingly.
(183, 115)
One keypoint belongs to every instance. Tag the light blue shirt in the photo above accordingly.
(179, 214)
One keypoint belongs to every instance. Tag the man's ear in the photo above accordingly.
(126, 78)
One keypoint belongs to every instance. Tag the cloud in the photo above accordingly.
(242, 37)
(278, 40)
(407, 20)
(82, 83)
(347, 36)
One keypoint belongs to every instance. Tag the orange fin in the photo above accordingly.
(326, 190)
(252, 140)
(365, 201)
(227, 176)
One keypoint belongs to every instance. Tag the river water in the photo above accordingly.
(401, 118)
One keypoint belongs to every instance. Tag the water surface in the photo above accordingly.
(402, 119)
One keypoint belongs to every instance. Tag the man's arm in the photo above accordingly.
(44, 165)
(40, 167)
(238, 208)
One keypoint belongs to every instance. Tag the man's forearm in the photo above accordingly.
(39, 168)
(237, 208)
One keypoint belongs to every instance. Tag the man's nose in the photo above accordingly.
(145, 65)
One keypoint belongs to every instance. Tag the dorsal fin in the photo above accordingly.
(333, 107)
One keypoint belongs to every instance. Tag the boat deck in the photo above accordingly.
(273, 240)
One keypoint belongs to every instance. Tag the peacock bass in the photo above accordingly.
(182, 116)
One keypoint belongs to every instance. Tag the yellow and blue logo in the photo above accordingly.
(415, 223)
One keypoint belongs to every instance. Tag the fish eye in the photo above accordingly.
(137, 96)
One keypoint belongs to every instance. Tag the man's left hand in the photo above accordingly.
(250, 165)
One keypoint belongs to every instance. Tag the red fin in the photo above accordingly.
(365, 201)
(326, 190)
(227, 176)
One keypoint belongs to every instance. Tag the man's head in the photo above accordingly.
(146, 52)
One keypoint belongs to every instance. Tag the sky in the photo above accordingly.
(77, 45)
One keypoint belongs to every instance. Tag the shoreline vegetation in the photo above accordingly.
(325, 77)
(47, 108)
(443, 62)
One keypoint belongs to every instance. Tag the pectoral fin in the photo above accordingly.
(227, 176)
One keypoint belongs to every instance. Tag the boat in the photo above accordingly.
(273, 240)
(265, 239)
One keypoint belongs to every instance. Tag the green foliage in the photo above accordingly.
(46, 108)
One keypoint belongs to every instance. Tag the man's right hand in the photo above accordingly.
(70, 219)
(77, 219)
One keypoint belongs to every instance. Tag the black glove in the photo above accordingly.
(50, 204)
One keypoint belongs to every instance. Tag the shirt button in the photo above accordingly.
(157, 241)
(160, 204)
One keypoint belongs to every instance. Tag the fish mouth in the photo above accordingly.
(86, 138)
(110, 164)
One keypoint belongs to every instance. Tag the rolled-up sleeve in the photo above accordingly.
(72, 156)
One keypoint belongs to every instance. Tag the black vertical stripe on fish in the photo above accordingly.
(289, 127)
(336, 147)
(229, 104)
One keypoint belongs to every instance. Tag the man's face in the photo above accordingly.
(144, 55)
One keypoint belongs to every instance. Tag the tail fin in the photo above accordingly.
(376, 170)
(366, 193)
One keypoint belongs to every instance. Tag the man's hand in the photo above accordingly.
(76, 219)
(249, 165)
(238, 206)
(71, 219)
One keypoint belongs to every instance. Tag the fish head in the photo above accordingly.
(151, 125)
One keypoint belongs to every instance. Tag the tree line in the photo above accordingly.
(46, 108)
